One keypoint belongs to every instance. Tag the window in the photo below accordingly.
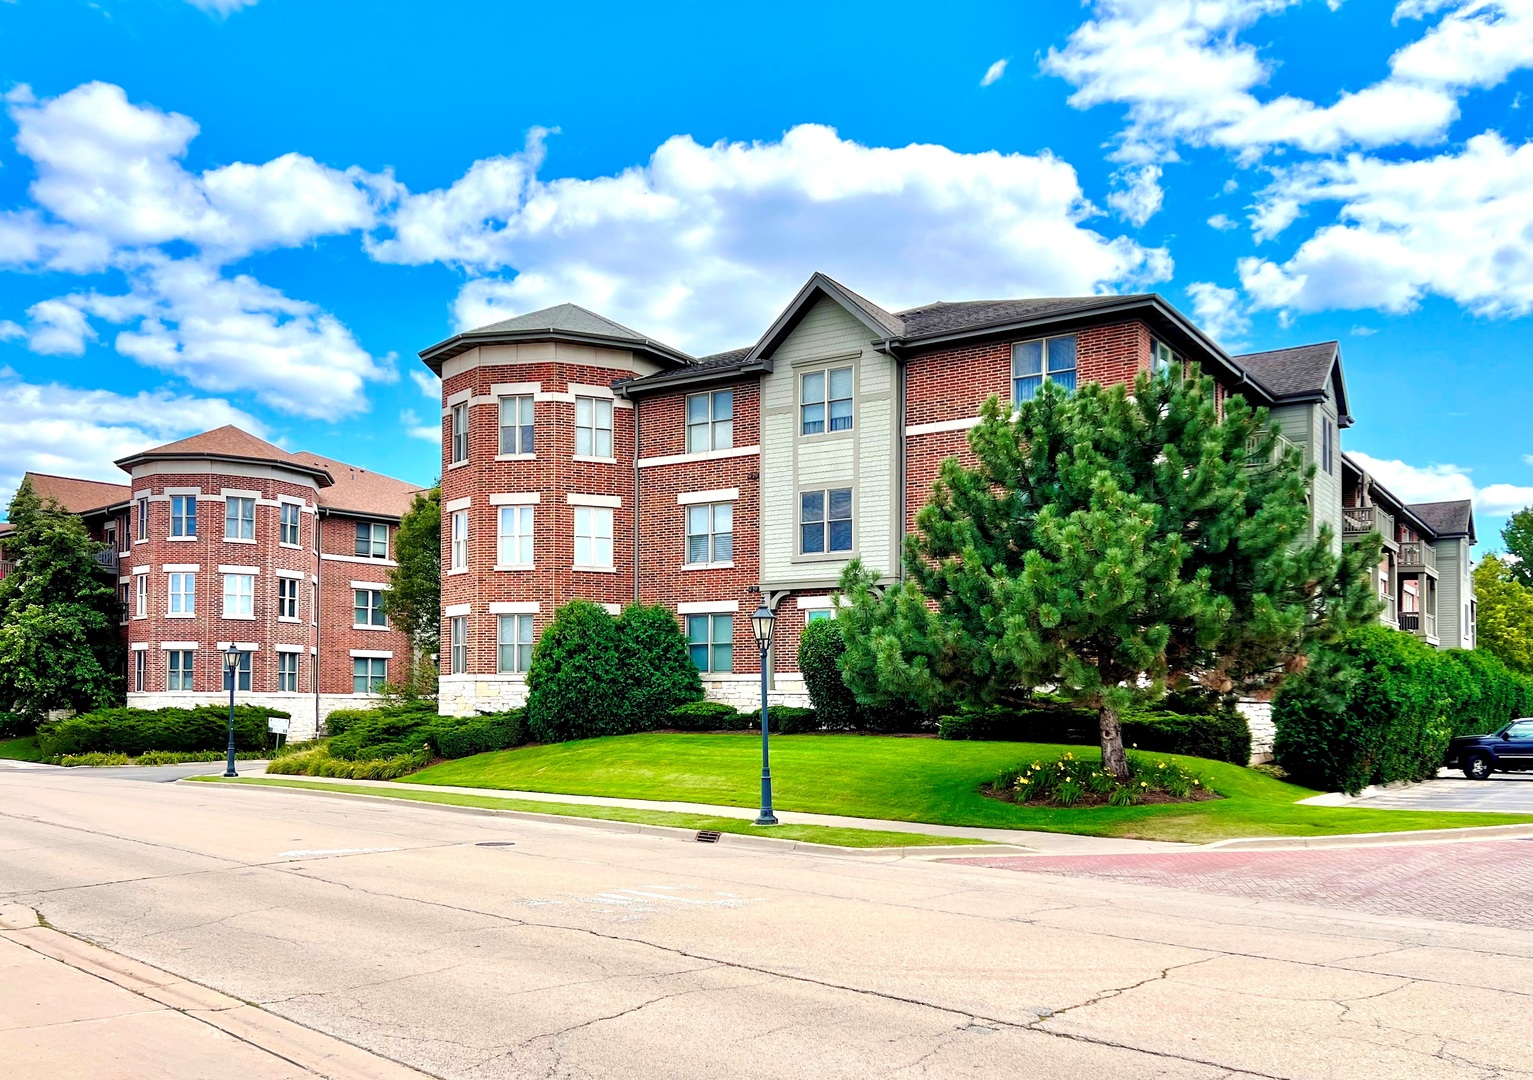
(287, 598)
(816, 614)
(1046, 360)
(367, 607)
(368, 674)
(513, 538)
(126, 609)
(1163, 359)
(515, 640)
(516, 424)
(457, 639)
(711, 640)
(710, 533)
(593, 427)
(1327, 444)
(458, 556)
(287, 673)
(239, 519)
(143, 518)
(825, 521)
(179, 665)
(241, 674)
(822, 395)
(593, 536)
(239, 596)
(140, 671)
(459, 444)
(372, 540)
(710, 421)
(109, 535)
(290, 512)
(183, 515)
(183, 594)
(141, 596)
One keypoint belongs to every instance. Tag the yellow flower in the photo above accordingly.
(1143, 784)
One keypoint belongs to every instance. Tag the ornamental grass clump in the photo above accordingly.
(1071, 781)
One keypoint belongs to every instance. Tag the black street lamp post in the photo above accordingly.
(761, 626)
(231, 672)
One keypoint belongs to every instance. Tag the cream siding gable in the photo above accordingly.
(1302, 424)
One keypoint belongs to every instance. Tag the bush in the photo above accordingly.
(1370, 711)
(383, 733)
(820, 648)
(1483, 693)
(94, 760)
(318, 762)
(706, 716)
(135, 731)
(657, 665)
(784, 720)
(453, 737)
(1070, 781)
(15, 726)
(1222, 735)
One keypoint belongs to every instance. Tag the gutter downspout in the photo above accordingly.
(636, 486)
(314, 615)
(903, 443)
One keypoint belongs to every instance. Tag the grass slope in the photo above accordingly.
(22, 749)
(912, 779)
(814, 834)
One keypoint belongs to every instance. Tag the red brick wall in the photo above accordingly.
(1112, 354)
(338, 536)
(924, 455)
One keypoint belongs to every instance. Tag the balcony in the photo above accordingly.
(1418, 555)
(7, 568)
(1279, 448)
(1421, 623)
(107, 560)
(1358, 521)
(1389, 614)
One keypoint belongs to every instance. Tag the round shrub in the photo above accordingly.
(577, 686)
(658, 670)
(456, 737)
(1222, 736)
(706, 716)
(784, 720)
(820, 648)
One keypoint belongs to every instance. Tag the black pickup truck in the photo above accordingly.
(1502, 751)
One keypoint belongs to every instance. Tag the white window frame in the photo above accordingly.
(711, 431)
(126, 591)
(711, 642)
(180, 594)
(522, 428)
(141, 596)
(374, 528)
(143, 517)
(234, 515)
(295, 512)
(825, 398)
(514, 546)
(180, 677)
(825, 520)
(593, 527)
(285, 676)
(243, 676)
(595, 426)
(711, 534)
(458, 446)
(1047, 370)
(287, 599)
(1163, 358)
(140, 671)
(519, 643)
(374, 674)
(233, 592)
(370, 603)
(457, 558)
(183, 525)
(457, 642)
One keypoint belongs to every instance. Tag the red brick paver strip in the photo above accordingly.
(1489, 883)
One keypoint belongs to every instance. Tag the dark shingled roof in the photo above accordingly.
(569, 317)
(721, 363)
(948, 318)
(1446, 518)
(1303, 369)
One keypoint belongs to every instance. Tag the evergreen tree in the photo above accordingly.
(1504, 613)
(1518, 538)
(1106, 544)
(656, 664)
(413, 601)
(60, 647)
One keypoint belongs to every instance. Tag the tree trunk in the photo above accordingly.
(1114, 760)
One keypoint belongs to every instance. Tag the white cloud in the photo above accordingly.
(1457, 225)
(1222, 222)
(65, 430)
(416, 429)
(428, 384)
(994, 72)
(1499, 500)
(1138, 195)
(702, 245)
(223, 8)
(1218, 311)
(1527, 459)
(1444, 483)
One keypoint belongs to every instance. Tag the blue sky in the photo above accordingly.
(258, 211)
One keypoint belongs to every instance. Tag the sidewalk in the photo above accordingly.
(73, 1011)
(1042, 843)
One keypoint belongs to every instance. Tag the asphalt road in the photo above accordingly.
(472, 946)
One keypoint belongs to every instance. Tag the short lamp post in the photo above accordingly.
(762, 623)
(231, 672)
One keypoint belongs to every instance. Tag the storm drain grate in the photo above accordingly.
(706, 837)
(496, 843)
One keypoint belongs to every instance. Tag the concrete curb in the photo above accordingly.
(738, 840)
(310, 1050)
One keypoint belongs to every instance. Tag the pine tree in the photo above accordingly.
(60, 647)
(1106, 544)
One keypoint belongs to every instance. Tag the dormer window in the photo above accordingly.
(1045, 360)
(1164, 360)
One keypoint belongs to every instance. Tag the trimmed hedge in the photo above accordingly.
(1483, 693)
(820, 648)
(705, 716)
(469, 735)
(389, 732)
(317, 762)
(1221, 734)
(784, 720)
(135, 731)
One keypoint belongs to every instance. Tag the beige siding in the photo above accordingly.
(1301, 425)
(1455, 588)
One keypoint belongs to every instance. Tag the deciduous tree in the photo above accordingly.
(1504, 613)
(413, 601)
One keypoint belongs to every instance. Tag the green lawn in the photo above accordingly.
(22, 749)
(814, 834)
(911, 779)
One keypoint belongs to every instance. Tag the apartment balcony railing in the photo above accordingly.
(1419, 622)
(1279, 447)
(1359, 521)
(1416, 555)
(107, 560)
(7, 568)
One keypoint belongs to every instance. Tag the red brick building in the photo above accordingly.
(224, 538)
(583, 459)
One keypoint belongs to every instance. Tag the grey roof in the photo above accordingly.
(571, 318)
(945, 317)
(892, 325)
(1446, 518)
(569, 322)
(712, 366)
(1304, 369)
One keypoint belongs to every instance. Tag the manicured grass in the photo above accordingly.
(22, 749)
(913, 779)
(814, 834)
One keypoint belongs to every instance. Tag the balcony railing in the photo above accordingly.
(7, 568)
(1416, 554)
(1280, 447)
(107, 559)
(1359, 521)
(1417, 622)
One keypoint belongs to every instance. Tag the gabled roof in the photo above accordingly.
(703, 369)
(563, 322)
(1301, 373)
(227, 443)
(880, 323)
(946, 317)
(361, 492)
(1447, 519)
(78, 496)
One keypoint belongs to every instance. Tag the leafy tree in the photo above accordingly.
(1504, 610)
(413, 601)
(658, 671)
(1106, 544)
(60, 647)
(1518, 538)
(820, 648)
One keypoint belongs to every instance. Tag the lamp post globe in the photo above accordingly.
(231, 673)
(762, 624)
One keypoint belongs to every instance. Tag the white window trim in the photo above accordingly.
(452, 611)
(240, 646)
(710, 455)
(178, 646)
(252, 571)
(180, 567)
(139, 646)
(688, 498)
(611, 502)
(515, 607)
(279, 572)
(383, 585)
(817, 603)
(287, 649)
(708, 607)
(824, 367)
(370, 654)
(454, 505)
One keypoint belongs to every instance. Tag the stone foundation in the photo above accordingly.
(1258, 716)
(466, 695)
